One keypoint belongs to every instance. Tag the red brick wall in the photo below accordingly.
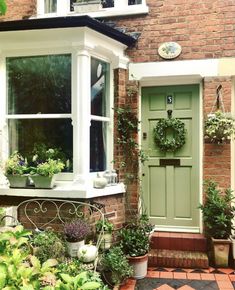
(217, 158)
(19, 9)
(204, 29)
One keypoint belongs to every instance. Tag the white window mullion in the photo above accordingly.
(120, 4)
(81, 111)
(3, 109)
(62, 7)
(40, 7)
(100, 118)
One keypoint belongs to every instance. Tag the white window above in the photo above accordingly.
(93, 8)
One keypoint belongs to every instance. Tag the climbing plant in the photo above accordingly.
(3, 7)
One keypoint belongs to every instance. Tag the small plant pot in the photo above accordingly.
(106, 242)
(140, 266)
(74, 247)
(221, 251)
(43, 181)
(17, 181)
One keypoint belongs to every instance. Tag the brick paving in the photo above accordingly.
(184, 279)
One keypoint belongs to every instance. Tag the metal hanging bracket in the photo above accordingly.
(169, 113)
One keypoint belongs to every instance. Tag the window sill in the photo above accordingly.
(65, 190)
(105, 12)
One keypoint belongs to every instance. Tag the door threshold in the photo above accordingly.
(175, 229)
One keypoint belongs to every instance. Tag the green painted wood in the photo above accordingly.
(171, 193)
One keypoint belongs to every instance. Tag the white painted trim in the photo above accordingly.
(100, 118)
(39, 116)
(201, 152)
(177, 229)
(65, 190)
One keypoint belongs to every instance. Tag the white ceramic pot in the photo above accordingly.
(74, 247)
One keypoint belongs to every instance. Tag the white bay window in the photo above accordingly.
(56, 88)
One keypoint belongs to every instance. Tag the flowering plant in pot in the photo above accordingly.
(43, 175)
(105, 229)
(75, 233)
(16, 170)
(219, 128)
(134, 240)
(218, 213)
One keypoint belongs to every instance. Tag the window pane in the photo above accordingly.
(54, 133)
(39, 84)
(99, 87)
(107, 3)
(97, 146)
(133, 2)
(50, 6)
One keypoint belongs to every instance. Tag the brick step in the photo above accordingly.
(177, 259)
(179, 241)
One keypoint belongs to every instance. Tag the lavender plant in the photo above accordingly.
(76, 230)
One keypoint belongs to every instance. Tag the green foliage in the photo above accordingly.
(173, 143)
(49, 168)
(19, 270)
(84, 281)
(48, 245)
(3, 7)
(219, 128)
(116, 262)
(16, 165)
(104, 225)
(2, 213)
(134, 239)
(218, 211)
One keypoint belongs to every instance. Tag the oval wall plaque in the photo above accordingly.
(169, 50)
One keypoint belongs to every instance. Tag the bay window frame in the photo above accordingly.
(80, 111)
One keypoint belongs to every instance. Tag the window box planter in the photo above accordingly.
(43, 181)
(17, 181)
(87, 6)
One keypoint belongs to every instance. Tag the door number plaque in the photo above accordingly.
(169, 99)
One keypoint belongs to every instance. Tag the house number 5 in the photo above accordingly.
(169, 99)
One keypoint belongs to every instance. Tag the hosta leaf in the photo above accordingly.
(90, 286)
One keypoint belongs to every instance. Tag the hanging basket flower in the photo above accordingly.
(219, 128)
(160, 134)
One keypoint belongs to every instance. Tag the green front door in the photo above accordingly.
(171, 187)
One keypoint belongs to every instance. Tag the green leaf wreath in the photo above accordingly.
(179, 133)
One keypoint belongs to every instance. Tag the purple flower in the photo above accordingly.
(76, 230)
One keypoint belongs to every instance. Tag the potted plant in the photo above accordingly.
(84, 6)
(116, 268)
(16, 169)
(218, 213)
(104, 228)
(219, 128)
(43, 175)
(75, 233)
(135, 242)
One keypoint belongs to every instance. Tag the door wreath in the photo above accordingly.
(160, 134)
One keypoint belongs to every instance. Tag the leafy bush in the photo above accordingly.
(48, 245)
(104, 225)
(49, 168)
(218, 212)
(116, 262)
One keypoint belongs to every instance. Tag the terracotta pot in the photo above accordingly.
(221, 251)
(140, 266)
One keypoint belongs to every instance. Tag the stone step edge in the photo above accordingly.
(178, 259)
